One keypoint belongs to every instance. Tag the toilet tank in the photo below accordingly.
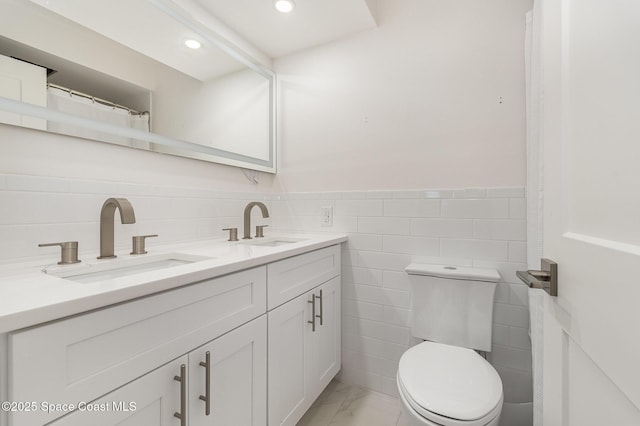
(452, 304)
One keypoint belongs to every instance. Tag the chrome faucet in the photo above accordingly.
(107, 217)
(247, 217)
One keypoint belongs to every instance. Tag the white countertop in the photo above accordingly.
(29, 296)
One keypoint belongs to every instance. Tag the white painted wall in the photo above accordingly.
(414, 103)
(411, 104)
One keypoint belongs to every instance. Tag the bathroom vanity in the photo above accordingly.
(249, 334)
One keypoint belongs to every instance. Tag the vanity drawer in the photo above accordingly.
(86, 356)
(292, 277)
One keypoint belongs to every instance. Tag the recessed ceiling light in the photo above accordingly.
(193, 44)
(284, 6)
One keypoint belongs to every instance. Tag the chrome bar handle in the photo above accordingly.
(182, 378)
(321, 310)
(207, 379)
(313, 312)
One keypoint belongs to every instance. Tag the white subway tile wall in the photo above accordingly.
(35, 209)
(483, 227)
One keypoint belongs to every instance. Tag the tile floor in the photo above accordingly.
(345, 405)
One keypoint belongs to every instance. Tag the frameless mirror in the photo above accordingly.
(120, 72)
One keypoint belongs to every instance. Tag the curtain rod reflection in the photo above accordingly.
(98, 100)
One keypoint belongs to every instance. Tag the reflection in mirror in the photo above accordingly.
(131, 80)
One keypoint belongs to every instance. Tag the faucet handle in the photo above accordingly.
(69, 252)
(233, 233)
(138, 243)
(260, 231)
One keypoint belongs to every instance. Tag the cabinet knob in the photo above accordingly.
(69, 252)
(233, 233)
(138, 243)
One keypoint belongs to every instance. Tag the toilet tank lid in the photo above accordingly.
(453, 272)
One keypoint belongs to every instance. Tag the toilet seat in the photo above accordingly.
(449, 385)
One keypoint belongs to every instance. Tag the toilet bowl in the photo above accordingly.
(447, 385)
(443, 381)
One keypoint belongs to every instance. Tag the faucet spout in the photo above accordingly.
(247, 217)
(107, 217)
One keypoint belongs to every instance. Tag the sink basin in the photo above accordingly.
(117, 268)
(271, 241)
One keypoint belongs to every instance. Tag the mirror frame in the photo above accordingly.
(185, 148)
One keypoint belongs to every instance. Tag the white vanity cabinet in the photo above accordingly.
(82, 358)
(304, 333)
(237, 391)
(250, 348)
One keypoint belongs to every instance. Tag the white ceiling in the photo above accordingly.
(141, 26)
(312, 22)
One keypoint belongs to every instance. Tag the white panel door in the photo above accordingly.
(23, 82)
(591, 130)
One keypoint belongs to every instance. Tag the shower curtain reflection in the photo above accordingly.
(81, 106)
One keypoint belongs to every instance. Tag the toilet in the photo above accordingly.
(443, 381)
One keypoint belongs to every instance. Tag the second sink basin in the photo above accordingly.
(117, 268)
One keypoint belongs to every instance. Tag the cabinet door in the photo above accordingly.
(237, 378)
(326, 340)
(151, 400)
(289, 347)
